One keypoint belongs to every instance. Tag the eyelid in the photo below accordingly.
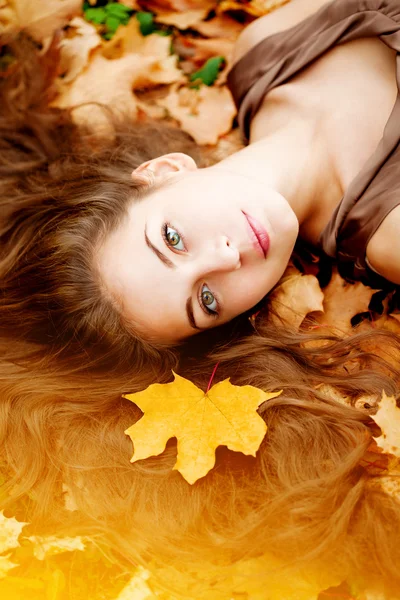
(203, 307)
(164, 227)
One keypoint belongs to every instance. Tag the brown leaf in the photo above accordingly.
(108, 82)
(205, 114)
(41, 18)
(294, 299)
(176, 5)
(221, 26)
(183, 20)
(8, 18)
(255, 8)
(75, 49)
(342, 301)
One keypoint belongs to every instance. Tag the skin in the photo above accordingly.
(215, 253)
(307, 143)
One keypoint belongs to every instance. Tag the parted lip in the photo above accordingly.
(259, 235)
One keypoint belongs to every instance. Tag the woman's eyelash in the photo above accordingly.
(211, 313)
(164, 230)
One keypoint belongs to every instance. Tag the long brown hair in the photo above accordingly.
(66, 356)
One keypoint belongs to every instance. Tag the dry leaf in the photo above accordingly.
(294, 299)
(133, 4)
(8, 18)
(205, 114)
(41, 18)
(255, 8)
(137, 588)
(10, 530)
(6, 565)
(45, 546)
(177, 5)
(388, 419)
(226, 415)
(108, 82)
(342, 301)
(75, 50)
(261, 578)
(183, 20)
(220, 26)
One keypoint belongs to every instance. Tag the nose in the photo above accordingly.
(220, 257)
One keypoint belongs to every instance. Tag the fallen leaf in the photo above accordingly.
(227, 144)
(255, 8)
(10, 530)
(41, 18)
(106, 82)
(342, 301)
(205, 50)
(8, 18)
(220, 26)
(6, 565)
(75, 50)
(183, 20)
(45, 546)
(133, 4)
(205, 114)
(177, 5)
(261, 578)
(388, 419)
(110, 83)
(137, 588)
(294, 299)
(200, 421)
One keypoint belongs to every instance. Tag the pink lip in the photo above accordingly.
(259, 235)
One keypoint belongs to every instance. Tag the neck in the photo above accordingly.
(294, 162)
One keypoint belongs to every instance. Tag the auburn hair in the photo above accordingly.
(67, 356)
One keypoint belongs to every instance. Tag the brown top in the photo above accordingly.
(375, 191)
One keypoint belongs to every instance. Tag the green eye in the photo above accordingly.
(208, 300)
(173, 238)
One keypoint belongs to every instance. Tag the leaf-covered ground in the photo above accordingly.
(168, 59)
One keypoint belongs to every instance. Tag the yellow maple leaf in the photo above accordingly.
(200, 421)
(388, 419)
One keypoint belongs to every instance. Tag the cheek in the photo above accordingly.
(245, 292)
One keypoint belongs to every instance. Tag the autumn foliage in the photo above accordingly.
(168, 60)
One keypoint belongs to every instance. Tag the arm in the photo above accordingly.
(280, 19)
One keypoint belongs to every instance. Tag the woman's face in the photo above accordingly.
(187, 257)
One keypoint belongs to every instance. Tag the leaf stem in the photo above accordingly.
(211, 378)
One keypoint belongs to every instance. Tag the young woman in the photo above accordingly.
(113, 255)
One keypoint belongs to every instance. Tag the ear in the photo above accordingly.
(164, 166)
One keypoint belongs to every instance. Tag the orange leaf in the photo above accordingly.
(225, 415)
(342, 301)
(295, 298)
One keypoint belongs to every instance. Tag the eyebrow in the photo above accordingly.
(166, 261)
(159, 254)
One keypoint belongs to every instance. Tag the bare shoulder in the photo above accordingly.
(278, 20)
(383, 250)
